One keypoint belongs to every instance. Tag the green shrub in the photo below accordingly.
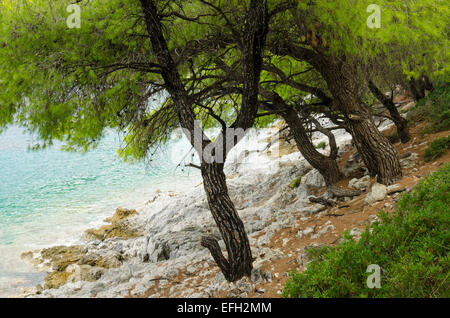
(437, 148)
(295, 183)
(435, 108)
(411, 247)
(321, 145)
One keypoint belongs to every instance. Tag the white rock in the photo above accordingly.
(264, 239)
(256, 275)
(302, 191)
(212, 290)
(327, 229)
(377, 193)
(360, 184)
(243, 285)
(355, 232)
(393, 187)
(268, 276)
(313, 178)
(409, 162)
(322, 231)
(308, 231)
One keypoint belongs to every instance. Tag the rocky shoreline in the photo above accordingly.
(155, 252)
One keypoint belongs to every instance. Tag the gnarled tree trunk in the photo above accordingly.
(378, 154)
(400, 122)
(239, 262)
(327, 166)
(231, 228)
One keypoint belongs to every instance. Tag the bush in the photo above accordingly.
(437, 148)
(295, 183)
(434, 108)
(411, 247)
(321, 145)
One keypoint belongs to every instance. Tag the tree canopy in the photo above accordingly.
(71, 84)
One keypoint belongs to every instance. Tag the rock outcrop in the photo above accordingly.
(409, 161)
(119, 227)
(361, 184)
(377, 193)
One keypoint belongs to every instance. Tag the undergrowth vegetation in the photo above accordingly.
(321, 145)
(435, 108)
(295, 183)
(411, 246)
(437, 148)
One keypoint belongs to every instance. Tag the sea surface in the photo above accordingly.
(49, 197)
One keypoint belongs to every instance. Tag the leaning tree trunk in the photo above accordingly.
(400, 122)
(378, 154)
(327, 166)
(239, 262)
(376, 151)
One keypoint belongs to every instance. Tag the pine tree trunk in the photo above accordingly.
(402, 126)
(400, 122)
(376, 151)
(378, 154)
(327, 166)
(239, 262)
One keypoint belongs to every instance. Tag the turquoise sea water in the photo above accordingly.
(49, 197)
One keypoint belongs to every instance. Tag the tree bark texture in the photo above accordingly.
(419, 86)
(327, 166)
(239, 262)
(400, 122)
(378, 154)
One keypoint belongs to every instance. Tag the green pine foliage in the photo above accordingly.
(50, 74)
(437, 148)
(411, 247)
(62, 84)
(408, 30)
(74, 84)
(295, 183)
(321, 145)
